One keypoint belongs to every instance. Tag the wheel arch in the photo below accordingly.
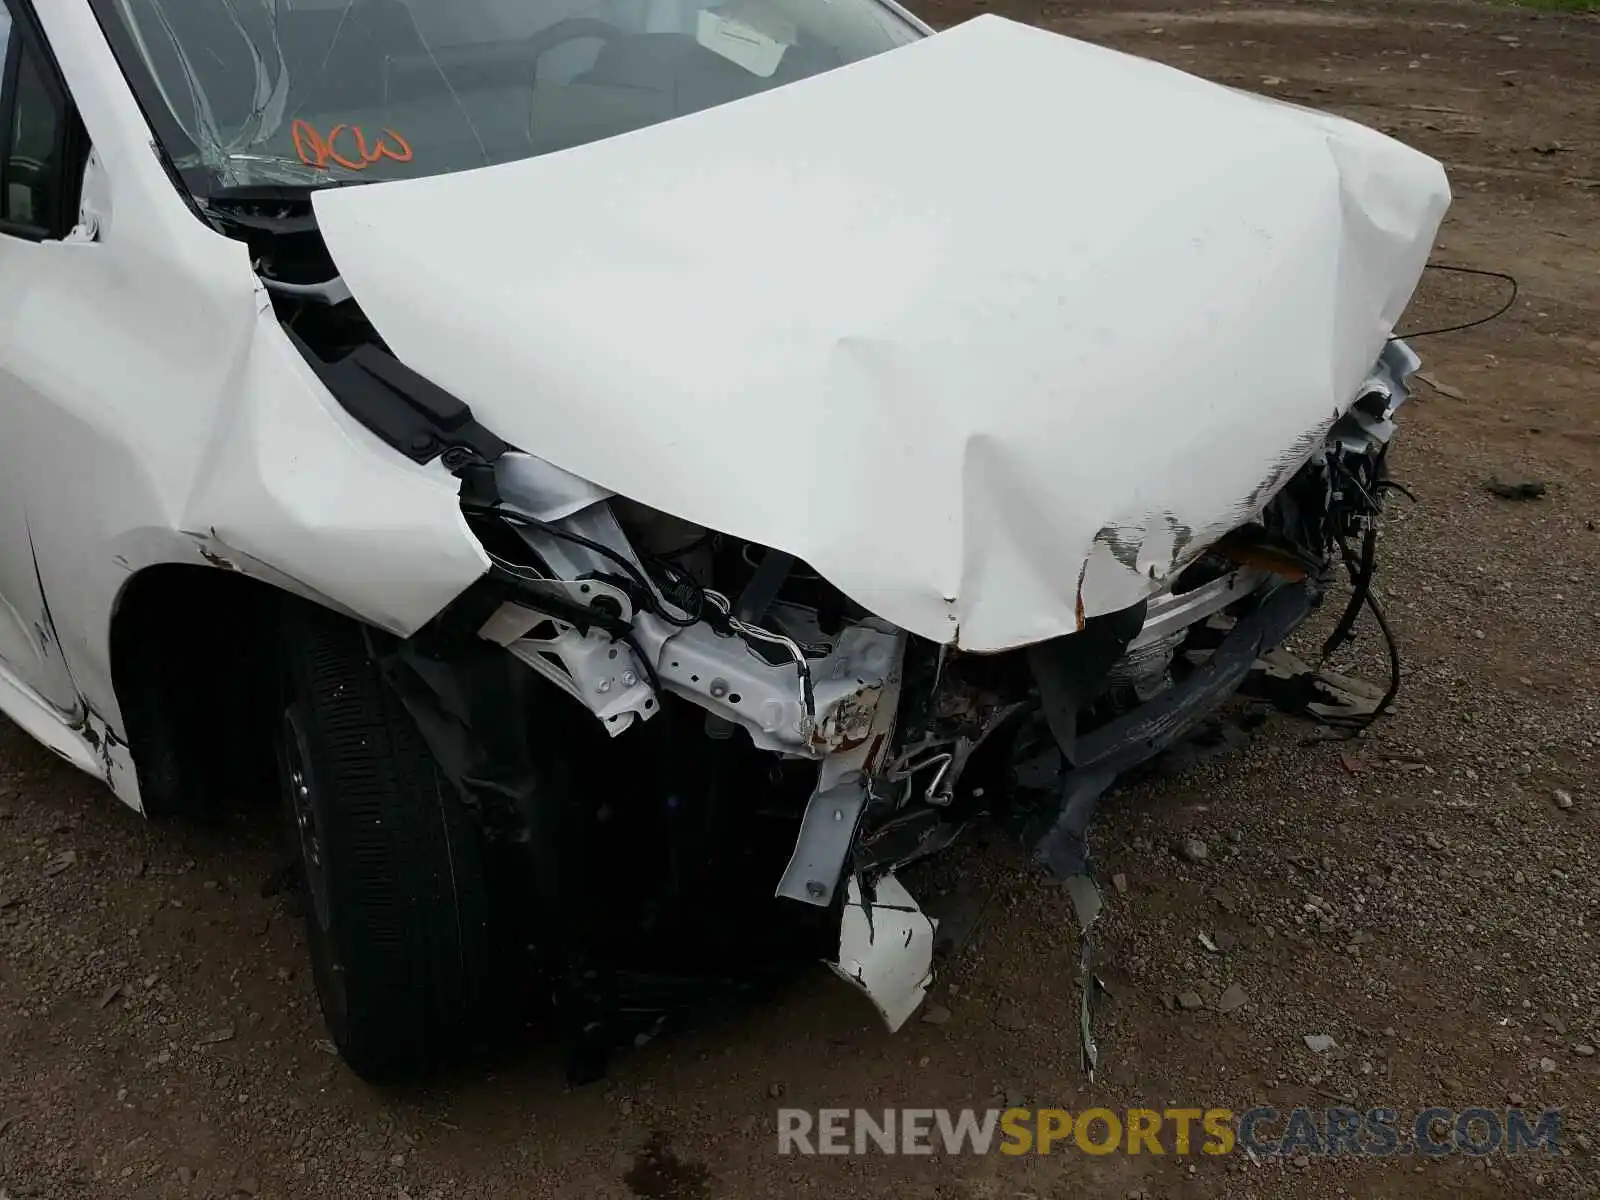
(191, 656)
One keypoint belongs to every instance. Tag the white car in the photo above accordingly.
(719, 452)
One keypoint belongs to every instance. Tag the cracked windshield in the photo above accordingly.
(315, 91)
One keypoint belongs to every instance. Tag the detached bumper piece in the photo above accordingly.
(1083, 768)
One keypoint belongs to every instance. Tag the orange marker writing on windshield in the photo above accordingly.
(318, 151)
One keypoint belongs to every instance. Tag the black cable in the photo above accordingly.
(1499, 312)
(1394, 662)
(1360, 583)
(1389, 485)
(1361, 574)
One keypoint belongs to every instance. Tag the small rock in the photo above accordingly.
(1583, 1050)
(397, 1160)
(1008, 1016)
(1547, 1065)
(1563, 799)
(1302, 1161)
(1514, 1099)
(1189, 1001)
(247, 1186)
(1120, 882)
(935, 1014)
(185, 1175)
(1193, 850)
(60, 863)
(775, 1090)
(1319, 1043)
(110, 994)
(1234, 997)
(1555, 1022)
(1433, 840)
(224, 1034)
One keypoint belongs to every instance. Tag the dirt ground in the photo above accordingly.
(159, 1034)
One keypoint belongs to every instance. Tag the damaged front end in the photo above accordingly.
(696, 745)
(823, 579)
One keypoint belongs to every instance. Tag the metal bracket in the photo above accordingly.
(828, 829)
(598, 671)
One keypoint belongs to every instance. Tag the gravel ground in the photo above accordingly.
(1428, 898)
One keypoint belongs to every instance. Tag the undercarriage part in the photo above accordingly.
(1141, 673)
(1302, 689)
(1171, 614)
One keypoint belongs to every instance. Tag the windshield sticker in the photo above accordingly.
(318, 151)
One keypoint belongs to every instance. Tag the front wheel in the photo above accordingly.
(397, 907)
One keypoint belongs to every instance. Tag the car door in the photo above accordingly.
(38, 204)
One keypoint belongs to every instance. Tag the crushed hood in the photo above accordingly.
(996, 331)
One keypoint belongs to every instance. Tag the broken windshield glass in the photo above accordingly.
(307, 92)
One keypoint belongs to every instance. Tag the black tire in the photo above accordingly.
(397, 906)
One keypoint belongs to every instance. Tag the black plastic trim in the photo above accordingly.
(406, 410)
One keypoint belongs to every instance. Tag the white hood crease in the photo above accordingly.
(996, 330)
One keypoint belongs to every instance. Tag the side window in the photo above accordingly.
(36, 143)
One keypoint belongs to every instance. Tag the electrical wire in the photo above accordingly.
(802, 665)
(721, 604)
(1361, 570)
(1473, 324)
(1361, 573)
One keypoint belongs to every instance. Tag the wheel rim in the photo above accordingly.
(301, 787)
